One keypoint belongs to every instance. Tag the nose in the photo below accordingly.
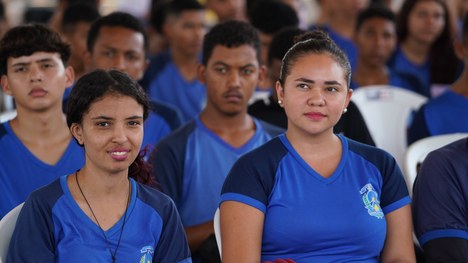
(234, 79)
(119, 62)
(119, 135)
(35, 74)
(315, 97)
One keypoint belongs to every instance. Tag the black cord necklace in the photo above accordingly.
(113, 254)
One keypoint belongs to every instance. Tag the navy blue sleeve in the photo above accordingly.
(394, 189)
(440, 196)
(170, 114)
(33, 238)
(353, 126)
(252, 177)
(172, 244)
(168, 161)
(418, 128)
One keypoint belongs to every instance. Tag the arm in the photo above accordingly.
(399, 242)
(198, 234)
(241, 231)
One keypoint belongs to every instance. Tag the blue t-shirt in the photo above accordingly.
(168, 86)
(309, 218)
(21, 172)
(447, 113)
(52, 228)
(440, 199)
(400, 63)
(191, 164)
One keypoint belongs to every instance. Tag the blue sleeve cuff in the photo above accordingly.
(243, 199)
(396, 205)
(441, 233)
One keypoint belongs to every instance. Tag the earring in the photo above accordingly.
(345, 110)
(280, 102)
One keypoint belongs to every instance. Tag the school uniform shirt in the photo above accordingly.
(447, 113)
(52, 227)
(309, 218)
(169, 86)
(440, 206)
(191, 164)
(21, 172)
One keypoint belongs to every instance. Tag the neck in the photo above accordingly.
(187, 65)
(308, 144)
(415, 51)
(343, 25)
(40, 126)
(366, 74)
(101, 185)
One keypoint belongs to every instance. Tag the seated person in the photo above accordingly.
(375, 39)
(119, 41)
(102, 212)
(446, 113)
(36, 146)
(192, 162)
(440, 204)
(351, 124)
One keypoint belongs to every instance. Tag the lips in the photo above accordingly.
(119, 154)
(233, 97)
(38, 92)
(316, 116)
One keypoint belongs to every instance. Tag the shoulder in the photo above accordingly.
(270, 129)
(170, 114)
(452, 153)
(179, 137)
(265, 155)
(46, 196)
(160, 202)
(374, 155)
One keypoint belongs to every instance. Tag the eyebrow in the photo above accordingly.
(328, 82)
(29, 63)
(110, 118)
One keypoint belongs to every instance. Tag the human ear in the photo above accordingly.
(77, 132)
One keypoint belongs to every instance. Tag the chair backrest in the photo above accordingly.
(7, 225)
(217, 230)
(418, 151)
(7, 115)
(387, 111)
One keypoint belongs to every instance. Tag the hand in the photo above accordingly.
(279, 260)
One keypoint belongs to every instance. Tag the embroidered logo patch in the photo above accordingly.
(147, 252)
(371, 201)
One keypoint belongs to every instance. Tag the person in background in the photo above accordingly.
(310, 195)
(36, 146)
(446, 113)
(375, 39)
(102, 212)
(440, 203)
(351, 124)
(118, 41)
(173, 74)
(74, 28)
(226, 10)
(192, 162)
(425, 45)
(264, 17)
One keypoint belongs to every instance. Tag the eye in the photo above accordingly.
(221, 70)
(331, 89)
(132, 57)
(302, 86)
(247, 71)
(134, 123)
(48, 65)
(19, 69)
(103, 124)
(108, 53)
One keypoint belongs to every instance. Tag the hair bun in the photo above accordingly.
(316, 35)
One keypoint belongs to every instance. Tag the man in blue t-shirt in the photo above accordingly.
(119, 41)
(36, 146)
(192, 163)
(172, 75)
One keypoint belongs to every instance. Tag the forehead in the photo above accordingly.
(117, 36)
(115, 104)
(317, 66)
(428, 5)
(377, 22)
(36, 56)
(243, 54)
(187, 15)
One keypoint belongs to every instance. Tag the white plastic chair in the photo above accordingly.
(418, 151)
(387, 111)
(7, 225)
(217, 230)
(7, 115)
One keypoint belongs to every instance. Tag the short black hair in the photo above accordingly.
(115, 19)
(375, 10)
(230, 34)
(27, 39)
(77, 13)
(282, 41)
(164, 9)
(269, 16)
